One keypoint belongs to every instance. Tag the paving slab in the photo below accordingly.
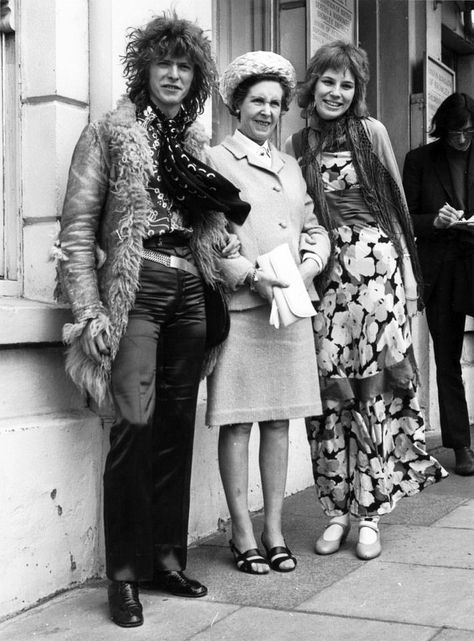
(461, 517)
(462, 486)
(303, 503)
(420, 589)
(425, 508)
(436, 546)
(83, 614)
(256, 624)
(303, 521)
(454, 635)
(216, 569)
(436, 596)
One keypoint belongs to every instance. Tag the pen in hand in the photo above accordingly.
(450, 215)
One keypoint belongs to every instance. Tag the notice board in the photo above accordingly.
(440, 82)
(330, 20)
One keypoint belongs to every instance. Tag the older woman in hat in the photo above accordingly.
(263, 375)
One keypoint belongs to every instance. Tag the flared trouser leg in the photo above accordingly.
(155, 382)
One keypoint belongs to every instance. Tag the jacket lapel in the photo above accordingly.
(239, 151)
(470, 179)
(440, 164)
(277, 161)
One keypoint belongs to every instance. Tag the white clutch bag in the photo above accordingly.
(289, 303)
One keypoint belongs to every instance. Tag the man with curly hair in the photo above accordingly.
(143, 228)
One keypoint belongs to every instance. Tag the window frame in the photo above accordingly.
(9, 154)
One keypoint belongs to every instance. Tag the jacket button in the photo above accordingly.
(276, 188)
(283, 225)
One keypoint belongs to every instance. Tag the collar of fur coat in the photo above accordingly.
(196, 139)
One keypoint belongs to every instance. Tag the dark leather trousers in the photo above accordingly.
(447, 331)
(155, 381)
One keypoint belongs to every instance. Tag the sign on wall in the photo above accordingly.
(440, 82)
(330, 20)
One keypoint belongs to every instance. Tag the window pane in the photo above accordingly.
(8, 162)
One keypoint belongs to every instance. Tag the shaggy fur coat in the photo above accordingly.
(103, 224)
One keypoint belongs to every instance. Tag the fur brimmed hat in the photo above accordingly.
(256, 63)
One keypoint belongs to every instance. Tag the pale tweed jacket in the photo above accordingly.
(281, 212)
(103, 224)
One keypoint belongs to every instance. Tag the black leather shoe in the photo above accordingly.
(176, 583)
(464, 461)
(125, 607)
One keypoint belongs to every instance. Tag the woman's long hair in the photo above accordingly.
(339, 56)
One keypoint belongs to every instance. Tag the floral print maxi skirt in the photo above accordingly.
(368, 446)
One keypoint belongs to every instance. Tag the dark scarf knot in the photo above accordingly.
(190, 182)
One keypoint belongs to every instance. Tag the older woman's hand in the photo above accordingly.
(232, 249)
(265, 284)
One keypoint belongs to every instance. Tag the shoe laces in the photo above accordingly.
(129, 593)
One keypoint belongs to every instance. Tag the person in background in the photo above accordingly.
(138, 249)
(368, 446)
(263, 375)
(439, 185)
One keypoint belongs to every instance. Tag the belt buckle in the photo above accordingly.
(174, 262)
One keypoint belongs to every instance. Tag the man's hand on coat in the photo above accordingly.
(232, 249)
(95, 345)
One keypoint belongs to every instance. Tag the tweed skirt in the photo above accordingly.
(263, 373)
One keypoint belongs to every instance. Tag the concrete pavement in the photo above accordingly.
(420, 589)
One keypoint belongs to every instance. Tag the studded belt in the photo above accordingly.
(170, 261)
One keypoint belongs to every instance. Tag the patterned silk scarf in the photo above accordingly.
(190, 182)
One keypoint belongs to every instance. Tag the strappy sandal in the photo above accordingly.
(278, 555)
(244, 560)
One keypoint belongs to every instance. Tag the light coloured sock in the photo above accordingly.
(366, 534)
(336, 527)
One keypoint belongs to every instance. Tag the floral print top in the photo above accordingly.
(337, 170)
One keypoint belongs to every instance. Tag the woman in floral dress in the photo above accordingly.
(368, 446)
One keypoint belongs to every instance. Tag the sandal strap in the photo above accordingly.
(244, 560)
(246, 564)
(279, 554)
(370, 524)
(250, 555)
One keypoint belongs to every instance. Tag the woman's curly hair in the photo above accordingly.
(339, 56)
(169, 36)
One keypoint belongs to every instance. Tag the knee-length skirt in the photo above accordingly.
(264, 373)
